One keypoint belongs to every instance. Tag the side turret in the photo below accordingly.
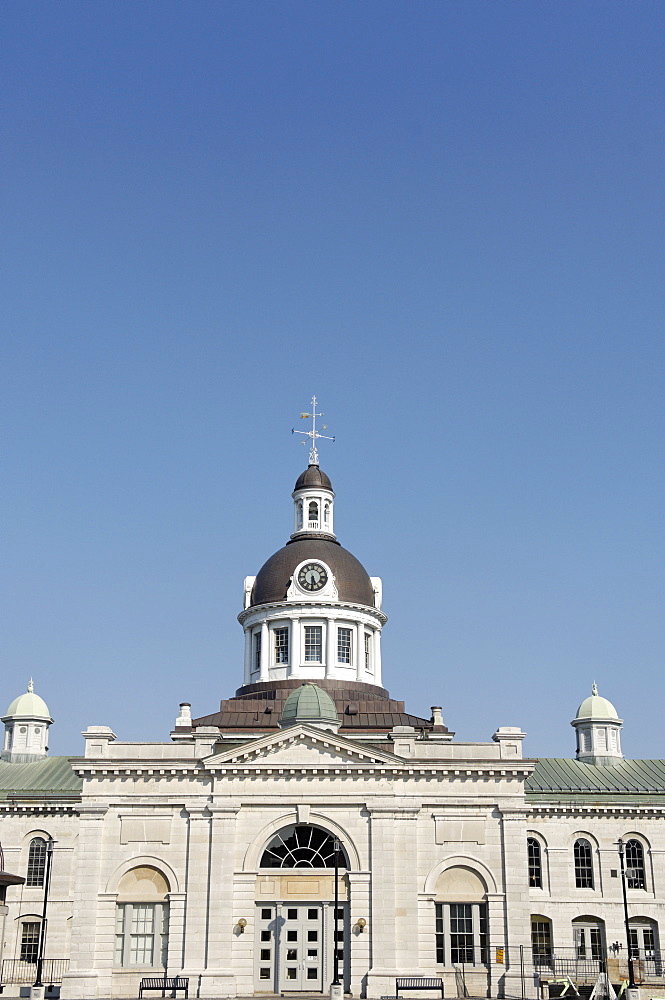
(598, 729)
(27, 722)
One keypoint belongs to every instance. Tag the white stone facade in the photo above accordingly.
(162, 857)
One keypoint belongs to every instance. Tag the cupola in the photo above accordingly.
(311, 704)
(598, 729)
(27, 721)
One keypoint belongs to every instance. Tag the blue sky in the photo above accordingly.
(446, 220)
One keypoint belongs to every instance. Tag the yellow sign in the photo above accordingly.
(499, 956)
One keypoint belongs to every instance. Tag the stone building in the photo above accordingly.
(213, 854)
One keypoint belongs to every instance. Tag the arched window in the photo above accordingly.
(313, 514)
(643, 934)
(635, 875)
(589, 938)
(142, 919)
(299, 525)
(36, 862)
(535, 863)
(461, 931)
(583, 864)
(302, 847)
(541, 941)
(326, 513)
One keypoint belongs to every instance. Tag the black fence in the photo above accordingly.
(15, 971)
(585, 966)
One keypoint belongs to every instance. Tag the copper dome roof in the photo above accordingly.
(313, 476)
(353, 583)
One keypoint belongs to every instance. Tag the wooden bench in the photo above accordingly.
(171, 984)
(418, 983)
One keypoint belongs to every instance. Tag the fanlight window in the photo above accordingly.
(302, 847)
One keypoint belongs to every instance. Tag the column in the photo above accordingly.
(294, 652)
(248, 655)
(376, 642)
(359, 941)
(512, 914)
(331, 646)
(265, 651)
(219, 976)
(198, 887)
(360, 651)
(176, 950)
(394, 891)
(82, 979)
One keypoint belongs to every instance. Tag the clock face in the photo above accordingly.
(312, 577)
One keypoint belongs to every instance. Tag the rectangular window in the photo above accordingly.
(343, 645)
(368, 652)
(461, 934)
(281, 645)
(314, 643)
(257, 651)
(141, 935)
(30, 941)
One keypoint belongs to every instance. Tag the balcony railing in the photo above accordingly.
(15, 970)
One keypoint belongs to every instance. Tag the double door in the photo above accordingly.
(295, 946)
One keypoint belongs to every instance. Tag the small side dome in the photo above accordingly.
(595, 707)
(28, 704)
(313, 477)
(311, 704)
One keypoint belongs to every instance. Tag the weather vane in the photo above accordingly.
(313, 434)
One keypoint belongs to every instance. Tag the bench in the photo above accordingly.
(418, 983)
(172, 984)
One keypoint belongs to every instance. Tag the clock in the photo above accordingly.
(312, 576)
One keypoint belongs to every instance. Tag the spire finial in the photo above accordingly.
(31, 686)
(313, 434)
(594, 688)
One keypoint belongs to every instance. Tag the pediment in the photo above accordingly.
(303, 746)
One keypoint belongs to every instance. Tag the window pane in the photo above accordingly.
(583, 864)
(535, 863)
(635, 878)
(343, 645)
(281, 645)
(313, 643)
(30, 941)
(36, 862)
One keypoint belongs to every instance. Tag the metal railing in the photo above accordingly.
(585, 966)
(16, 971)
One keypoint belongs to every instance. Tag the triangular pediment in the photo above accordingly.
(303, 746)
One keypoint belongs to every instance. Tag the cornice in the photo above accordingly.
(290, 606)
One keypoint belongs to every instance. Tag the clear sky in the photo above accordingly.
(445, 219)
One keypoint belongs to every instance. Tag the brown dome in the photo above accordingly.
(274, 577)
(313, 476)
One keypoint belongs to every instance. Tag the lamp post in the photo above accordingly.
(38, 984)
(336, 986)
(631, 971)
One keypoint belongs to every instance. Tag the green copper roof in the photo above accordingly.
(309, 703)
(28, 704)
(595, 707)
(559, 778)
(47, 778)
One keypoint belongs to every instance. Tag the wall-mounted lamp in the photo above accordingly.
(361, 924)
(242, 923)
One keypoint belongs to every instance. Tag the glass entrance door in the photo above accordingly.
(301, 947)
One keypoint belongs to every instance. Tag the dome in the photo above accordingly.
(28, 705)
(272, 582)
(595, 707)
(309, 703)
(313, 477)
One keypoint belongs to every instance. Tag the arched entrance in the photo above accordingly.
(298, 928)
